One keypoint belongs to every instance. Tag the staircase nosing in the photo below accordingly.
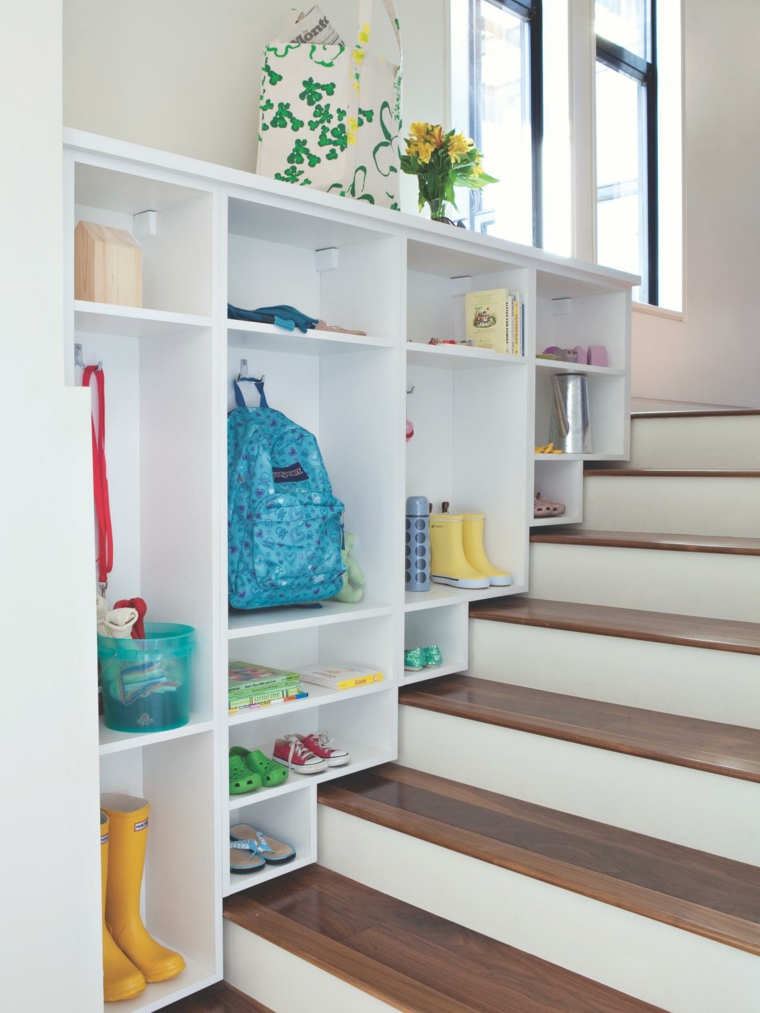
(612, 741)
(484, 612)
(666, 473)
(598, 886)
(649, 541)
(695, 413)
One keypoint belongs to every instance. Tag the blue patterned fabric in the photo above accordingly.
(285, 527)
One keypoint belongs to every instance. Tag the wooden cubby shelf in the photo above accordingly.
(224, 236)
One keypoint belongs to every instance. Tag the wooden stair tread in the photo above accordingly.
(730, 545)
(219, 998)
(631, 624)
(710, 896)
(407, 957)
(665, 473)
(694, 413)
(669, 738)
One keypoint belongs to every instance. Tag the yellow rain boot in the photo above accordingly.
(448, 563)
(121, 979)
(472, 539)
(128, 818)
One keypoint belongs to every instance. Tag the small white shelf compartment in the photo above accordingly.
(132, 321)
(112, 741)
(574, 367)
(264, 621)
(362, 757)
(443, 594)
(318, 696)
(270, 338)
(457, 356)
(446, 628)
(291, 819)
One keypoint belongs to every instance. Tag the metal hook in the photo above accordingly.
(79, 362)
(243, 368)
(411, 389)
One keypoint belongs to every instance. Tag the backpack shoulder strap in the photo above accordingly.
(240, 397)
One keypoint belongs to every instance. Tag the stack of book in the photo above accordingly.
(495, 321)
(253, 686)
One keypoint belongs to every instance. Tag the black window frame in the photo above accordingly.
(530, 11)
(644, 71)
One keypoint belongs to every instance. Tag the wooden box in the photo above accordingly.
(107, 265)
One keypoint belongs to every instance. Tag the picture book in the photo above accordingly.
(340, 676)
(486, 319)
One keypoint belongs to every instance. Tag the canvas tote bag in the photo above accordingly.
(330, 115)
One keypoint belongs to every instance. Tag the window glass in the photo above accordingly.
(623, 22)
(619, 159)
(500, 116)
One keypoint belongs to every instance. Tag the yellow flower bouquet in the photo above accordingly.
(442, 161)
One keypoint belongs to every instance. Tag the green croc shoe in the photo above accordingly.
(433, 656)
(414, 660)
(241, 778)
(270, 771)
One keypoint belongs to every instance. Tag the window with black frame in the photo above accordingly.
(626, 140)
(506, 116)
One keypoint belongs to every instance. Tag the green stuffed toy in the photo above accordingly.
(353, 575)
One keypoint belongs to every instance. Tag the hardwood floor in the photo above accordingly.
(409, 958)
(704, 894)
(220, 998)
(669, 738)
(664, 473)
(649, 540)
(631, 624)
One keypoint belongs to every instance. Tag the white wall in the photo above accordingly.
(714, 354)
(184, 75)
(50, 942)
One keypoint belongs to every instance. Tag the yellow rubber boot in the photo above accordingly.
(448, 563)
(472, 539)
(128, 818)
(121, 979)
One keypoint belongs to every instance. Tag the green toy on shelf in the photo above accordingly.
(353, 575)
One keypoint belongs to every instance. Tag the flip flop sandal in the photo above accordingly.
(543, 507)
(244, 858)
(241, 778)
(269, 771)
(270, 850)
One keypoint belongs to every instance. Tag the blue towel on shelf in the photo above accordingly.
(283, 316)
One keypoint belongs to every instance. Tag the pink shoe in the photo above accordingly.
(543, 507)
(322, 746)
(298, 757)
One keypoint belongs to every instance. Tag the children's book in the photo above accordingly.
(241, 673)
(487, 319)
(340, 676)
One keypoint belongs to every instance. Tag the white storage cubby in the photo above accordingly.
(182, 877)
(445, 628)
(561, 482)
(177, 275)
(225, 236)
(290, 818)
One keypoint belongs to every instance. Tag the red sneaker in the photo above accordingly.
(297, 756)
(322, 746)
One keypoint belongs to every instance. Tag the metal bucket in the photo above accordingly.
(569, 428)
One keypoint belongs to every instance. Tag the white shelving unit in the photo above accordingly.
(227, 236)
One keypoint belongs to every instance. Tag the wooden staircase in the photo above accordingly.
(573, 824)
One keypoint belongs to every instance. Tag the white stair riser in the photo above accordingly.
(730, 442)
(693, 506)
(711, 685)
(719, 585)
(286, 983)
(666, 966)
(690, 807)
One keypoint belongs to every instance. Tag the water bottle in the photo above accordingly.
(417, 561)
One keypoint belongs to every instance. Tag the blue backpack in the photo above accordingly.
(285, 527)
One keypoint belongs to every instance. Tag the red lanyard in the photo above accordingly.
(100, 478)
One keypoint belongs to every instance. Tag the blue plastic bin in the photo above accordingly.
(146, 683)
